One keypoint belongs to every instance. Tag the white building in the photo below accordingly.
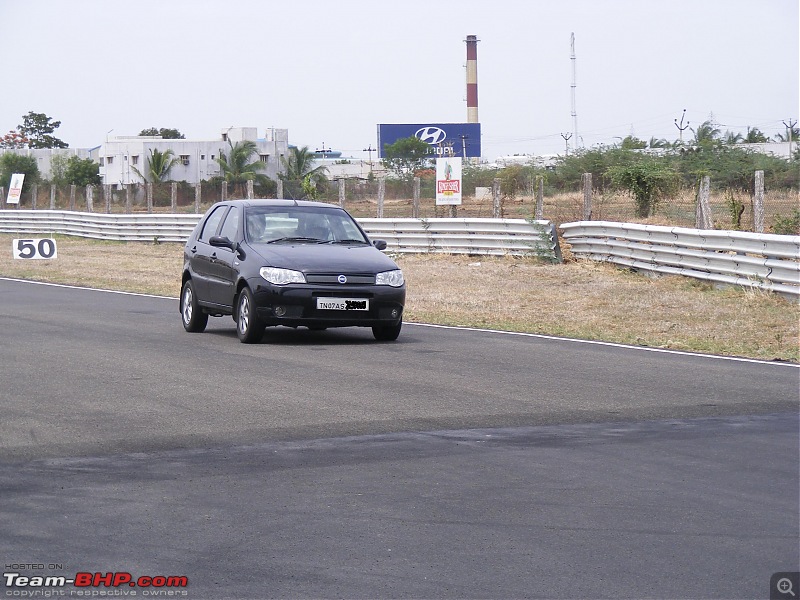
(121, 157)
(44, 156)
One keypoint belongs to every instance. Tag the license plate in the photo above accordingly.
(342, 304)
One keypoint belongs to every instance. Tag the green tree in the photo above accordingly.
(647, 179)
(38, 127)
(633, 143)
(237, 168)
(732, 138)
(82, 171)
(58, 169)
(11, 163)
(406, 156)
(300, 164)
(707, 134)
(793, 135)
(755, 136)
(164, 132)
(13, 140)
(159, 164)
(658, 143)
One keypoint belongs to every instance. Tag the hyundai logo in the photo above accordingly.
(431, 135)
(341, 279)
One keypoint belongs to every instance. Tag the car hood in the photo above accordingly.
(325, 258)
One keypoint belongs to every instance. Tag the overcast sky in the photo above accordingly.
(331, 71)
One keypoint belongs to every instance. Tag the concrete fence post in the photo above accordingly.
(703, 210)
(342, 191)
(2, 197)
(107, 197)
(173, 197)
(758, 203)
(148, 189)
(198, 193)
(34, 195)
(52, 197)
(89, 198)
(381, 196)
(72, 190)
(497, 208)
(249, 189)
(279, 191)
(128, 199)
(586, 178)
(415, 200)
(224, 191)
(538, 214)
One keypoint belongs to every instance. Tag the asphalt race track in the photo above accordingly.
(449, 464)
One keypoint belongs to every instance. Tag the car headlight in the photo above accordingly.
(392, 278)
(282, 276)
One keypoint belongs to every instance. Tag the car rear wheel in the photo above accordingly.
(193, 317)
(387, 333)
(249, 327)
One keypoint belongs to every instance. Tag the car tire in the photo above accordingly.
(193, 317)
(249, 327)
(387, 333)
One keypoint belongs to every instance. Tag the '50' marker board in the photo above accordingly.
(34, 248)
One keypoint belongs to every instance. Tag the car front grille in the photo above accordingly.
(328, 279)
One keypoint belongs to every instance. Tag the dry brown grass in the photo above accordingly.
(580, 299)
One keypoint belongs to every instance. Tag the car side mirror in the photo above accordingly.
(379, 244)
(222, 242)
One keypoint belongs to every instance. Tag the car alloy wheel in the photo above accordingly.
(193, 317)
(248, 326)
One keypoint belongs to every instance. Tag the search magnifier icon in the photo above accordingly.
(784, 586)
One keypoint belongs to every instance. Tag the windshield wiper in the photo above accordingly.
(294, 239)
(346, 242)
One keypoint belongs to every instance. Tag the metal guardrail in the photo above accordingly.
(765, 261)
(515, 237)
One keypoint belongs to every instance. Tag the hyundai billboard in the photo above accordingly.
(445, 139)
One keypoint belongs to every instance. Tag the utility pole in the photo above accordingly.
(790, 128)
(681, 127)
(566, 137)
(369, 149)
(464, 139)
(572, 88)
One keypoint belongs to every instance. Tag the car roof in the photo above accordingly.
(277, 202)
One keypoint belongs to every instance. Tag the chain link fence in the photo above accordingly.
(730, 208)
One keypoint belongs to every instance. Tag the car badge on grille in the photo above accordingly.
(341, 279)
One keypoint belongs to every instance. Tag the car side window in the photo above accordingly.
(211, 224)
(231, 225)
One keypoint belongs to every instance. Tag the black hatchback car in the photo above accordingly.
(288, 262)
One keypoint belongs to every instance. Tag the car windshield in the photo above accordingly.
(278, 224)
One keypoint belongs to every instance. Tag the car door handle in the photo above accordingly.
(194, 250)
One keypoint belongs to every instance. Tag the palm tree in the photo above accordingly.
(159, 164)
(300, 166)
(235, 166)
(732, 138)
(658, 143)
(707, 134)
(792, 135)
(755, 136)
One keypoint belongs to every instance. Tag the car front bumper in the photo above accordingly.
(296, 305)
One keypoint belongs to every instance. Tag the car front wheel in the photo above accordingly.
(193, 317)
(387, 333)
(249, 327)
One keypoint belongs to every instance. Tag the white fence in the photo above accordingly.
(765, 261)
(456, 236)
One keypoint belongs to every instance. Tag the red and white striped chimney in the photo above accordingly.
(472, 79)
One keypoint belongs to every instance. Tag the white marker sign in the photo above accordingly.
(36, 248)
(448, 180)
(15, 188)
